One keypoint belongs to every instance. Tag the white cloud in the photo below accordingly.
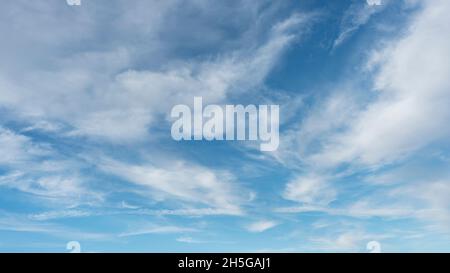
(185, 212)
(412, 106)
(409, 108)
(71, 83)
(312, 189)
(50, 215)
(261, 226)
(56, 188)
(346, 241)
(101, 94)
(126, 205)
(430, 200)
(20, 223)
(420, 200)
(324, 119)
(16, 148)
(183, 182)
(43, 126)
(35, 168)
(406, 115)
(158, 230)
(357, 15)
(349, 241)
(376, 205)
(189, 240)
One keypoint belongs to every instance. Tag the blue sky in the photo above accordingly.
(85, 147)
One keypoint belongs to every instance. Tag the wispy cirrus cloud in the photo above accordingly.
(261, 226)
(183, 182)
(36, 168)
(76, 94)
(85, 110)
(99, 93)
(356, 16)
(155, 229)
(397, 122)
(310, 189)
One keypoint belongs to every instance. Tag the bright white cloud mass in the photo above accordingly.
(86, 153)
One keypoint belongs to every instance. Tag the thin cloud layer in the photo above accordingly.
(85, 146)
